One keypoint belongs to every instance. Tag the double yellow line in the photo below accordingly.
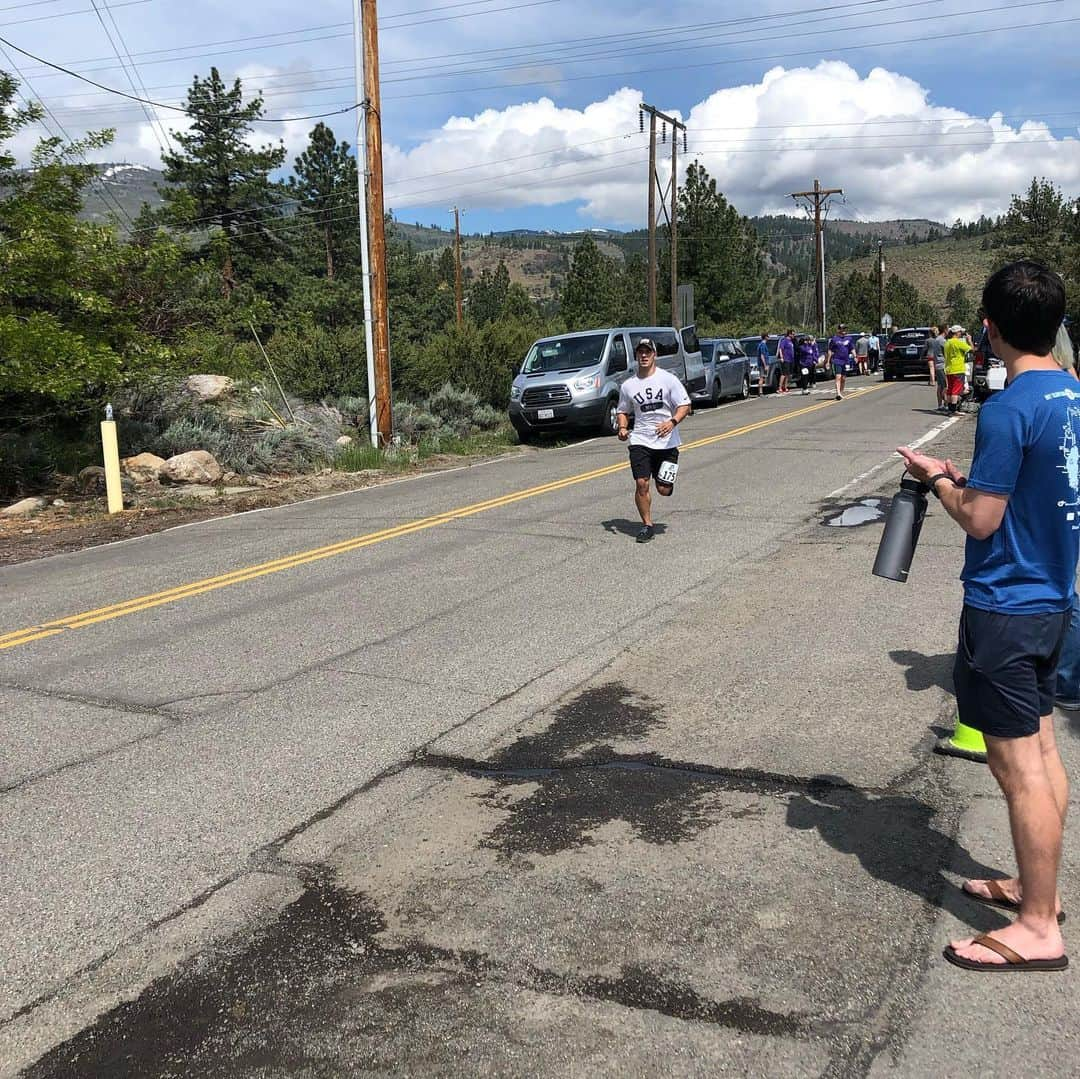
(248, 573)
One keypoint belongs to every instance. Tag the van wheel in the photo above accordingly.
(886, 376)
(610, 423)
(774, 382)
(714, 398)
(745, 387)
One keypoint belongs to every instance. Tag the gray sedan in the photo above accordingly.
(726, 370)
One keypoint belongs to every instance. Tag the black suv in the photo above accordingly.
(905, 353)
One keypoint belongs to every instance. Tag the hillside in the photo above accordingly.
(933, 268)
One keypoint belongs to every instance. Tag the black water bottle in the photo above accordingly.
(902, 528)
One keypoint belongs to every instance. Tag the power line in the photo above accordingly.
(162, 105)
(60, 14)
(729, 61)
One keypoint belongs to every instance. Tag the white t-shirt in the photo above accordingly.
(651, 401)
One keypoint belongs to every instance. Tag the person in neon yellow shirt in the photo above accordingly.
(956, 350)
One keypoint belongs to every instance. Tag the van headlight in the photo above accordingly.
(515, 393)
(587, 382)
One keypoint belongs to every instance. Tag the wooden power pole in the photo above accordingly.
(373, 177)
(880, 283)
(457, 263)
(668, 200)
(817, 202)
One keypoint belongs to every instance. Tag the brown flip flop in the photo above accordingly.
(1014, 963)
(998, 898)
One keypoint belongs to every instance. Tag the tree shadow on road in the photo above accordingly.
(629, 528)
(896, 841)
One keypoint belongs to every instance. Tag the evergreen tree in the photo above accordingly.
(325, 186)
(588, 297)
(218, 180)
(961, 308)
(487, 295)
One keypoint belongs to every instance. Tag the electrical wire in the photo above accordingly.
(728, 61)
(61, 14)
(162, 105)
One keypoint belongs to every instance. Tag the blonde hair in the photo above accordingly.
(1063, 350)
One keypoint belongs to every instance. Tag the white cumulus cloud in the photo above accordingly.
(878, 136)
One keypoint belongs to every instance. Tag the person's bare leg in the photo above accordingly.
(839, 385)
(1019, 766)
(1059, 783)
(643, 501)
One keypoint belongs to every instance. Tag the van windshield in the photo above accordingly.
(565, 354)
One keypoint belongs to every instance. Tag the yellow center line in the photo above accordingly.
(29, 634)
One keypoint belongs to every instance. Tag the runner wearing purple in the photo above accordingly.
(785, 350)
(839, 355)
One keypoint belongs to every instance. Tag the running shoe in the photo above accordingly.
(646, 534)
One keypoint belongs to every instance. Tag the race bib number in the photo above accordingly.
(667, 472)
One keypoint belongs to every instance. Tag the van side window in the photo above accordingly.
(690, 341)
(617, 355)
(667, 344)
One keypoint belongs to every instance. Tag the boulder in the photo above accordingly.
(195, 466)
(345, 440)
(208, 387)
(24, 507)
(91, 480)
(143, 467)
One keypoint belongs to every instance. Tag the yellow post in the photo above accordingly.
(111, 449)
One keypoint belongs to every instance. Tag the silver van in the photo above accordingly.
(571, 382)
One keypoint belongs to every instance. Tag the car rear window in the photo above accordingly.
(910, 337)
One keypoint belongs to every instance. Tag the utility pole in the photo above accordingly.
(373, 178)
(818, 201)
(880, 282)
(457, 262)
(668, 201)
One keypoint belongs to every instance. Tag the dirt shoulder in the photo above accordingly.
(81, 522)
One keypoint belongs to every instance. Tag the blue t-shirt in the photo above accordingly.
(1027, 446)
(786, 348)
(763, 354)
(840, 348)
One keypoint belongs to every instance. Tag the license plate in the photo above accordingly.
(545, 414)
(912, 350)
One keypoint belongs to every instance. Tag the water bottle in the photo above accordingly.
(902, 528)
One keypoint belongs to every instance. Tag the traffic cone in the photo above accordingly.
(965, 742)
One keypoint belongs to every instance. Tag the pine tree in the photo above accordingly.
(218, 180)
(588, 298)
(325, 185)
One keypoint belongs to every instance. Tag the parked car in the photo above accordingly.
(906, 353)
(726, 372)
(772, 374)
(571, 382)
(987, 369)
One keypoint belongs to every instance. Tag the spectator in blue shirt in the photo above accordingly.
(763, 358)
(839, 355)
(1020, 508)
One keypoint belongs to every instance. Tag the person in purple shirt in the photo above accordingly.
(806, 358)
(785, 350)
(839, 355)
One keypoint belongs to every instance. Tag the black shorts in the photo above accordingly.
(1006, 670)
(646, 462)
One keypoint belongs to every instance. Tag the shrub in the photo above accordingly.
(315, 363)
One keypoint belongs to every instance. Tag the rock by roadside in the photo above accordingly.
(143, 467)
(195, 466)
(208, 387)
(24, 507)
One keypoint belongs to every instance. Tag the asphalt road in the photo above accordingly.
(450, 775)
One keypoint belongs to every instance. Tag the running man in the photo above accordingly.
(839, 355)
(785, 352)
(935, 355)
(658, 401)
(763, 358)
(956, 350)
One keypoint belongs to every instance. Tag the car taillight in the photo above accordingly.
(980, 360)
(890, 348)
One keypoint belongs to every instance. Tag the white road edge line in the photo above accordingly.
(893, 459)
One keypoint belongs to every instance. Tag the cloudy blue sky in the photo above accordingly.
(525, 113)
